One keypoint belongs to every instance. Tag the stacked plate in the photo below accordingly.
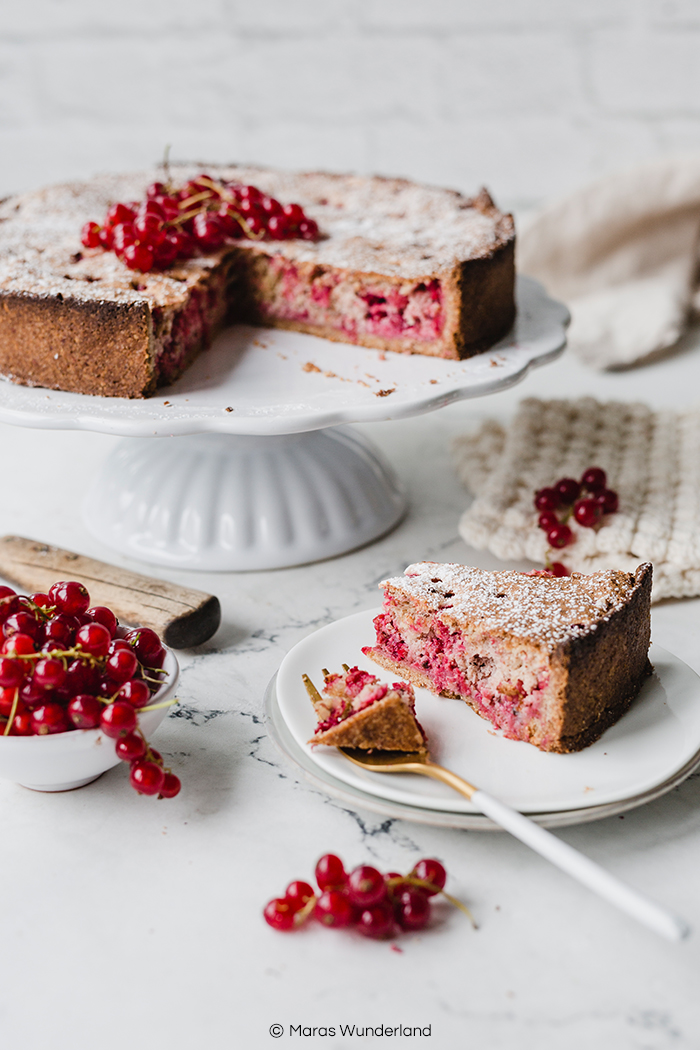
(651, 750)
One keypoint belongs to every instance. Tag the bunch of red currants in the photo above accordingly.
(364, 899)
(588, 500)
(66, 666)
(198, 218)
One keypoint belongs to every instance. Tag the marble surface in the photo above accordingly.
(130, 921)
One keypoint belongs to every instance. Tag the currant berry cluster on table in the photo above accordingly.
(587, 501)
(375, 905)
(66, 666)
(175, 223)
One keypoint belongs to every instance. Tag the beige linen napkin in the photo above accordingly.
(652, 460)
(622, 253)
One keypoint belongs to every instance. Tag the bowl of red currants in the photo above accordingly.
(80, 693)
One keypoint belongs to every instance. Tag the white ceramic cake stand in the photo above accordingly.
(242, 463)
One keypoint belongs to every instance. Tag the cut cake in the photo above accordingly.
(357, 710)
(398, 266)
(550, 660)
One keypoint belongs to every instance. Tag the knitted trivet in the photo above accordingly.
(652, 460)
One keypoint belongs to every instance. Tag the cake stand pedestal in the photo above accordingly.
(245, 463)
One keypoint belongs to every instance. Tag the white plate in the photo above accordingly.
(286, 744)
(658, 737)
(254, 381)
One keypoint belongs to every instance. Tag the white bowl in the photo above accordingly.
(61, 761)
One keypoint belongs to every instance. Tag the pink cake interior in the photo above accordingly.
(356, 305)
(346, 694)
(501, 680)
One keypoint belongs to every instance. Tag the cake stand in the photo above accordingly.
(246, 462)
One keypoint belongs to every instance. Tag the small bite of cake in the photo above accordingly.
(355, 709)
(553, 661)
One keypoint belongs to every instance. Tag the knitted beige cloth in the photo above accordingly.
(652, 460)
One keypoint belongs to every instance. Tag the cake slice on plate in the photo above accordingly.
(550, 660)
(357, 710)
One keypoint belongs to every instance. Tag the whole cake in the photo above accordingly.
(397, 266)
(357, 710)
(550, 660)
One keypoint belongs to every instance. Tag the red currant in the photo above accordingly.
(569, 490)
(377, 921)
(145, 643)
(547, 520)
(130, 747)
(594, 479)
(121, 666)
(19, 644)
(299, 893)
(560, 536)
(101, 614)
(365, 886)
(22, 724)
(333, 909)
(557, 569)
(69, 597)
(49, 718)
(21, 623)
(135, 692)
(85, 711)
(49, 673)
(119, 213)
(330, 873)
(11, 672)
(413, 909)
(138, 257)
(608, 500)
(279, 914)
(587, 513)
(430, 870)
(118, 719)
(146, 777)
(547, 499)
(90, 235)
(93, 638)
(62, 629)
(170, 787)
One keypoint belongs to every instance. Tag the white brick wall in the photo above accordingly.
(532, 97)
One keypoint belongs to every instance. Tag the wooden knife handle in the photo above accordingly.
(181, 616)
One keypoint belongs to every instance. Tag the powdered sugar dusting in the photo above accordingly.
(546, 610)
(371, 225)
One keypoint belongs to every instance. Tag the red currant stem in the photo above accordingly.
(156, 681)
(205, 195)
(303, 913)
(219, 190)
(155, 707)
(412, 880)
(165, 164)
(13, 712)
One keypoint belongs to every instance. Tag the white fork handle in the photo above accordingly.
(582, 868)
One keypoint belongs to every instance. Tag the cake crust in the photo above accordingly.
(551, 661)
(400, 267)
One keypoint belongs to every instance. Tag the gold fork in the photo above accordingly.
(537, 838)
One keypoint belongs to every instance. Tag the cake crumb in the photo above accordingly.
(229, 409)
(433, 381)
(310, 367)
(385, 393)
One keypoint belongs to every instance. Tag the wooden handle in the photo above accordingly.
(182, 617)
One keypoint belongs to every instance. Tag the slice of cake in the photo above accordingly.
(397, 266)
(550, 660)
(357, 710)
